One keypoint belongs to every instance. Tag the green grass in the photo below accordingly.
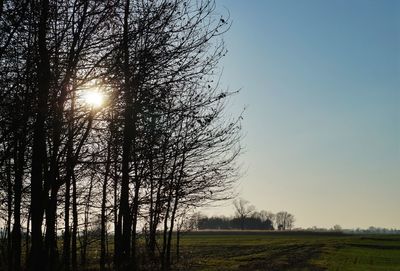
(203, 251)
(276, 251)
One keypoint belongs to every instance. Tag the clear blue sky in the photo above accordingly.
(321, 80)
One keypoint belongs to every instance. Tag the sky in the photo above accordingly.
(321, 82)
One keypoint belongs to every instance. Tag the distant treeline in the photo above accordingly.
(370, 230)
(225, 223)
(246, 218)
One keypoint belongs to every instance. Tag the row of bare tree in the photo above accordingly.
(281, 220)
(158, 146)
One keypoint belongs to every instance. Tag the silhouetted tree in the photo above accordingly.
(243, 210)
(284, 220)
(159, 146)
(235, 223)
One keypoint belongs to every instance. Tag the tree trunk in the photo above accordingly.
(27, 238)
(169, 238)
(84, 243)
(10, 253)
(135, 209)
(50, 239)
(39, 144)
(165, 253)
(124, 218)
(103, 210)
(158, 203)
(68, 177)
(19, 164)
(117, 229)
(53, 184)
(164, 265)
(178, 236)
(67, 233)
(171, 228)
(74, 258)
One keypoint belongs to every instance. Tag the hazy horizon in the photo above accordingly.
(321, 83)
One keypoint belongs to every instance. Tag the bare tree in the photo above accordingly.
(243, 210)
(284, 220)
(266, 215)
(161, 143)
(337, 228)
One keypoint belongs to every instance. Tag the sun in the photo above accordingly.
(93, 98)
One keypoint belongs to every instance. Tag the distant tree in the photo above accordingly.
(253, 222)
(192, 222)
(215, 223)
(243, 210)
(284, 220)
(266, 215)
(337, 228)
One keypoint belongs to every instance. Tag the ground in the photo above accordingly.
(248, 251)
(269, 251)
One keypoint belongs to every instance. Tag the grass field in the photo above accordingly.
(288, 251)
(273, 251)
